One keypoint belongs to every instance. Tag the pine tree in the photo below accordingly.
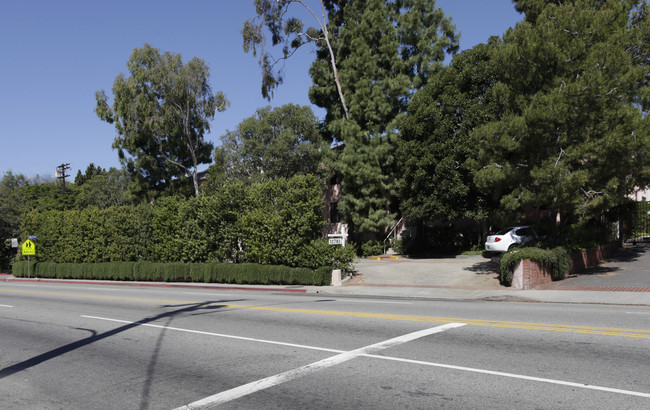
(385, 50)
(573, 138)
(436, 153)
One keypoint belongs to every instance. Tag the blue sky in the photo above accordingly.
(56, 54)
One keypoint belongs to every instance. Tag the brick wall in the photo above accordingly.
(530, 274)
(587, 258)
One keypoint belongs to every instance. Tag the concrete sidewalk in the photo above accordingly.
(622, 280)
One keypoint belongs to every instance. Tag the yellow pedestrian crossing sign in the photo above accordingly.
(29, 248)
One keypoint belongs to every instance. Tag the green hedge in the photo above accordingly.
(244, 273)
(276, 222)
(558, 260)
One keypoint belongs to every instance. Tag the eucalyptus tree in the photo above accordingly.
(273, 143)
(371, 57)
(161, 112)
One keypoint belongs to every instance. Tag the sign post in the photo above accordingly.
(29, 249)
(339, 238)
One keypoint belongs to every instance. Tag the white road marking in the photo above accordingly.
(271, 381)
(638, 313)
(397, 359)
(517, 376)
(199, 332)
(7, 306)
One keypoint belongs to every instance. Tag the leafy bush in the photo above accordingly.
(320, 253)
(371, 248)
(558, 260)
(274, 222)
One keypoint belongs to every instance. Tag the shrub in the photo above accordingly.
(371, 248)
(558, 260)
(272, 222)
(214, 272)
(320, 253)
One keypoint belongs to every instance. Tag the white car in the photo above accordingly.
(506, 239)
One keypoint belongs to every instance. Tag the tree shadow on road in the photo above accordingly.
(629, 253)
(95, 337)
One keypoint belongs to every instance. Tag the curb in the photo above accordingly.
(156, 284)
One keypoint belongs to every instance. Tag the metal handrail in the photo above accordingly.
(392, 231)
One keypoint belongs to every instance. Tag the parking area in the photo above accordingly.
(627, 270)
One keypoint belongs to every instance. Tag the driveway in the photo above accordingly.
(473, 271)
(627, 270)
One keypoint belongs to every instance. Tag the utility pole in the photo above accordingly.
(61, 173)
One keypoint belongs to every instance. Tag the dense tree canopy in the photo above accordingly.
(275, 142)
(105, 189)
(11, 206)
(435, 152)
(551, 118)
(162, 112)
(573, 138)
(385, 50)
(18, 195)
(91, 171)
(371, 57)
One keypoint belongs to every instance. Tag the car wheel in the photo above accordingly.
(511, 247)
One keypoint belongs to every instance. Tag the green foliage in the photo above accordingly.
(558, 260)
(276, 222)
(385, 51)
(103, 189)
(10, 210)
(436, 155)
(92, 234)
(161, 113)
(320, 254)
(371, 57)
(255, 274)
(401, 245)
(18, 195)
(283, 216)
(246, 273)
(573, 137)
(91, 171)
(275, 142)
(371, 248)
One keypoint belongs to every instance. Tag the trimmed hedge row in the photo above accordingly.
(243, 273)
(275, 222)
(558, 260)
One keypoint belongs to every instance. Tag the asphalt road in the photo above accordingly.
(66, 346)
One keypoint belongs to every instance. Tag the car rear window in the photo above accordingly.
(503, 231)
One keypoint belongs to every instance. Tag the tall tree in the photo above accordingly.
(91, 171)
(105, 189)
(436, 153)
(371, 57)
(291, 33)
(275, 142)
(162, 112)
(574, 137)
(386, 50)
